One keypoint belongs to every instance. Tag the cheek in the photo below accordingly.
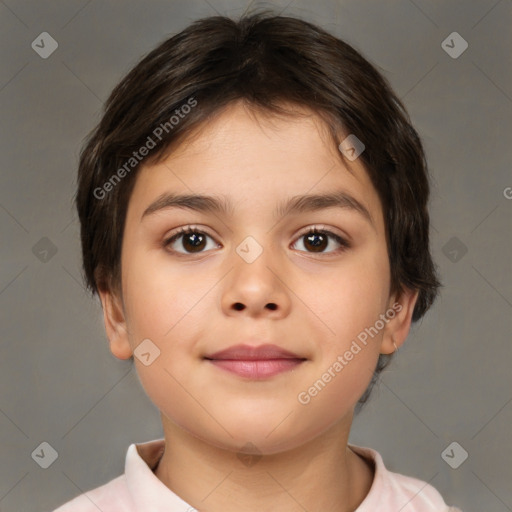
(347, 305)
(160, 296)
(163, 305)
(332, 394)
(351, 298)
(168, 306)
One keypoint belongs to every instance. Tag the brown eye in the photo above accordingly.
(192, 241)
(316, 241)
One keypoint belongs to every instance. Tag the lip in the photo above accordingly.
(259, 362)
(250, 353)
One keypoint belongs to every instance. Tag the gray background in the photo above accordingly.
(60, 384)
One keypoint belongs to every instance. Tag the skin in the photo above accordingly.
(184, 302)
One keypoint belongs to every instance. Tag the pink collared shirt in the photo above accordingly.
(139, 490)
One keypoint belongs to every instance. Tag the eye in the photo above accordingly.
(193, 241)
(317, 240)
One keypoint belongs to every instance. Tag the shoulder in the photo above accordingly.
(395, 491)
(110, 497)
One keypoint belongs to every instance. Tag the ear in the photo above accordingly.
(397, 328)
(115, 323)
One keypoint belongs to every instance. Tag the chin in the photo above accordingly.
(265, 437)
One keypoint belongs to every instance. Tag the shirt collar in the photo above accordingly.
(147, 492)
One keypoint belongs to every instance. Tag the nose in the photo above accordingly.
(258, 288)
(239, 306)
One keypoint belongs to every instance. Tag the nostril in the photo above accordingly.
(271, 306)
(239, 306)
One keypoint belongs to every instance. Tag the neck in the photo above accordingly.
(322, 474)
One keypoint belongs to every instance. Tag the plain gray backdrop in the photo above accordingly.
(451, 382)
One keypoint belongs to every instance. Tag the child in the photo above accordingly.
(253, 209)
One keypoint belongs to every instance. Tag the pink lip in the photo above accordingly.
(248, 353)
(255, 362)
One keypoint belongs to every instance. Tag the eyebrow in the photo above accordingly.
(296, 204)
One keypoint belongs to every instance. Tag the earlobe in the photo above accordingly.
(115, 324)
(398, 327)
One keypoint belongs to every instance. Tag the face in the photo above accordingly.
(310, 277)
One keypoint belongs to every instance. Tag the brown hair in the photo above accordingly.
(267, 61)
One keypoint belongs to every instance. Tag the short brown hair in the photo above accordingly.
(267, 61)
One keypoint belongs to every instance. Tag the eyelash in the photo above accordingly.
(344, 244)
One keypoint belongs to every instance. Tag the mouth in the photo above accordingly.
(255, 362)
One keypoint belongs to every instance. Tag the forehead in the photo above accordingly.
(251, 129)
(249, 157)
